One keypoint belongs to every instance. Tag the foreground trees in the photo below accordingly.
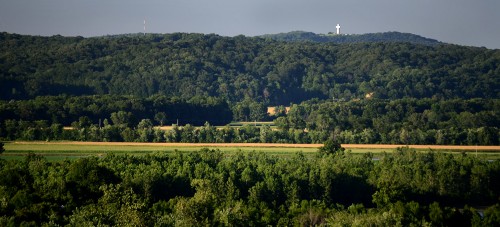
(207, 187)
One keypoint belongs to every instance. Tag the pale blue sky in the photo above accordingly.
(465, 22)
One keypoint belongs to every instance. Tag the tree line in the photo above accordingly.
(162, 110)
(208, 187)
(403, 121)
(145, 131)
(366, 121)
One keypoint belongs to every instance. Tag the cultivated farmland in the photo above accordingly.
(74, 149)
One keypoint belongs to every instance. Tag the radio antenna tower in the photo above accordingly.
(144, 26)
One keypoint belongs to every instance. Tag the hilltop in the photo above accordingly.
(393, 37)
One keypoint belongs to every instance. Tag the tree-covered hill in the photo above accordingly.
(241, 68)
(389, 37)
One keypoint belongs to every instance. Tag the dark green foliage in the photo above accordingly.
(120, 110)
(403, 121)
(84, 178)
(210, 188)
(331, 147)
(2, 149)
(239, 68)
(395, 37)
(366, 122)
(491, 216)
(160, 117)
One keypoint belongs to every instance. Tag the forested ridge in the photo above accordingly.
(235, 68)
(388, 37)
(368, 92)
(251, 189)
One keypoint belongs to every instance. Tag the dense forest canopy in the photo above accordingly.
(393, 37)
(238, 68)
(209, 188)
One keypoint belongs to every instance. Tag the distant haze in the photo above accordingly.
(464, 22)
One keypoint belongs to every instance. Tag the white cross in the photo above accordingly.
(338, 29)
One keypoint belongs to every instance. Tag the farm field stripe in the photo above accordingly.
(433, 147)
(347, 146)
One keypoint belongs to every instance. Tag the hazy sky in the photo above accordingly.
(466, 22)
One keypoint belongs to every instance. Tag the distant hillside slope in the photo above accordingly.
(242, 68)
(298, 36)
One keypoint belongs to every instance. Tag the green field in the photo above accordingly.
(61, 151)
(56, 151)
